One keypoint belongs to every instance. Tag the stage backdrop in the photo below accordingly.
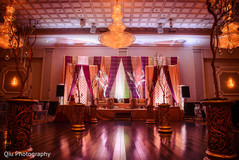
(121, 77)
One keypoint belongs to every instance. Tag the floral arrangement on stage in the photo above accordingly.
(93, 85)
(137, 79)
(103, 80)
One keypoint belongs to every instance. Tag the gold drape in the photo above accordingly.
(174, 72)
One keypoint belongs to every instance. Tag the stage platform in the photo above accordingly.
(175, 115)
(64, 114)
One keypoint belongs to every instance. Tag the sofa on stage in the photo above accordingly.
(125, 103)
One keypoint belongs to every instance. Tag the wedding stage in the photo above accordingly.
(120, 84)
(121, 77)
(64, 114)
(138, 114)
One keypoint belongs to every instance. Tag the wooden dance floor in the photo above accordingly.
(131, 140)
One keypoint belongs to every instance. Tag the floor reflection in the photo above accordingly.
(108, 140)
(165, 138)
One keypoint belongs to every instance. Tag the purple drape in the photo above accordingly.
(167, 75)
(97, 61)
(144, 61)
(68, 59)
(113, 71)
(155, 76)
(86, 71)
(75, 77)
(155, 79)
(174, 60)
(128, 70)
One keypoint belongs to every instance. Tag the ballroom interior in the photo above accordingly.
(119, 79)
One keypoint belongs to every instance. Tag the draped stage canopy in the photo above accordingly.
(122, 77)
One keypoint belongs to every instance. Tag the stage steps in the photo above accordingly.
(123, 116)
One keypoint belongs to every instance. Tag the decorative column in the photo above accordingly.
(199, 73)
(78, 117)
(46, 91)
(164, 126)
(219, 126)
(93, 109)
(20, 113)
(150, 114)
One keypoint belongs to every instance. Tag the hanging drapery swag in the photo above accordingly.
(167, 75)
(76, 75)
(129, 73)
(115, 61)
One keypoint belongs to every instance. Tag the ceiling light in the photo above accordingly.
(230, 36)
(5, 29)
(82, 22)
(93, 28)
(116, 37)
(171, 23)
(160, 28)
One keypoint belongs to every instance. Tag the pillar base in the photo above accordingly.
(93, 120)
(218, 156)
(20, 113)
(78, 127)
(150, 121)
(219, 127)
(165, 129)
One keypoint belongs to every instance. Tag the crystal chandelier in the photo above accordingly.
(5, 29)
(229, 38)
(116, 37)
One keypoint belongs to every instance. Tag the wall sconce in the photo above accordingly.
(230, 83)
(93, 28)
(6, 55)
(14, 82)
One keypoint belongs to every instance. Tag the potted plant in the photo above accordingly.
(219, 123)
(103, 81)
(20, 109)
(137, 80)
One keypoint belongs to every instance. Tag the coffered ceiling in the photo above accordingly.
(137, 13)
(189, 17)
